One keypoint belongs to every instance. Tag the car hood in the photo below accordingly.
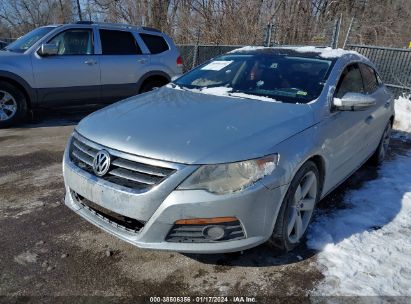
(195, 128)
(5, 55)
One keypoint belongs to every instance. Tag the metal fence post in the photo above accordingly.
(348, 33)
(268, 33)
(195, 55)
(336, 33)
(196, 49)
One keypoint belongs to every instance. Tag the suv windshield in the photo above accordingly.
(25, 42)
(289, 79)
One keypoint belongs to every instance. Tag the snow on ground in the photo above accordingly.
(365, 249)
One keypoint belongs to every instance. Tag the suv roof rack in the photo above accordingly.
(150, 29)
(84, 22)
(145, 28)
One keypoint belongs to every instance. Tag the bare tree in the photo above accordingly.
(380, 22)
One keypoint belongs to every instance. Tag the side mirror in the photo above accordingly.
(353, 102)
(48, 49)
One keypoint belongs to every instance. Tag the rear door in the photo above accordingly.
(72, 76)
(377, 116)
(122, 64)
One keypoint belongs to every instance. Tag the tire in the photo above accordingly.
(379, 155)
(13, 105)
(284, 237)
(152, 84)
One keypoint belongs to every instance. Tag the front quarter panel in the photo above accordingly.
(294, 152)
(19, 65)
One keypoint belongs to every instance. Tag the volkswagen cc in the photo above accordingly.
(233, 154)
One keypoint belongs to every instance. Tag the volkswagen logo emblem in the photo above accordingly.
(101, 163)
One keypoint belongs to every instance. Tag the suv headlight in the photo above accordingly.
(231, 177)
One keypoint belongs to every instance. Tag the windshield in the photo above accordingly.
(25, 42)
(289, 79)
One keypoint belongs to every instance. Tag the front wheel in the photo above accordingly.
(297, 208)
(13, 106)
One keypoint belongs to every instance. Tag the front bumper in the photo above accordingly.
(256, 208)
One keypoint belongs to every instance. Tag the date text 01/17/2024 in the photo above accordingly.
(203, 299)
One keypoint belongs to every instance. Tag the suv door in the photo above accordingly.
(122, 64)
(377, 116)
(345, 130)
(73, 75)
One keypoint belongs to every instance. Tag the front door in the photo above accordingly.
(72, 76)
(345, 130)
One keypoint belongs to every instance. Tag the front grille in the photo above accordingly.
(124, 172)
(194, 233)
(113, 218)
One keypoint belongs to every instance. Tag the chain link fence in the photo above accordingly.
(194, 55)
(393, 64)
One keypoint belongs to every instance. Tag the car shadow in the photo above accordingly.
(57, 117)
(265, 256)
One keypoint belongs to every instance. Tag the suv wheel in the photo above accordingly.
(152, 85)
(297, 208)
(13, 105)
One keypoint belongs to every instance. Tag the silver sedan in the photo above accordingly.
(235, 153)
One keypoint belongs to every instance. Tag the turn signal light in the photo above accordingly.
(206, 221)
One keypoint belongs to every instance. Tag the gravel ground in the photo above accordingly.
(47, 250)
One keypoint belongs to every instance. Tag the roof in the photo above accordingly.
(305, 51)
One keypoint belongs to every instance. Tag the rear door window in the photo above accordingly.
(155, 44)
(370, 78)
(350, 81)
(118, 43)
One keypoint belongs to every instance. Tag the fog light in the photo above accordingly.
(214, 233)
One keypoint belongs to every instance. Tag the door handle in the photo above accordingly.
(90, 62)
(369, 119)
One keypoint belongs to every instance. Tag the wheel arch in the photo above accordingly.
(21, 84)
(320, 163)
(152, 75)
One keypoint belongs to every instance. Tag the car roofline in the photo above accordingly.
(116, 26)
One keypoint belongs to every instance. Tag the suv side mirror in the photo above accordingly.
(354, 102)
(48, 49)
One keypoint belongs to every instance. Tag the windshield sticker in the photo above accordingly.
(217, 65)
(302, 93)
(274, 66)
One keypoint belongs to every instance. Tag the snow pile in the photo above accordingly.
(366, 249)
(223, 91)
(323, 52)
(403, 114)
(248, 48)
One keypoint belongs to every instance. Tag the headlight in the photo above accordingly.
(231, 177)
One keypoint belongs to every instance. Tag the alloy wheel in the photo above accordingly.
(8, 106)
(302, 207)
